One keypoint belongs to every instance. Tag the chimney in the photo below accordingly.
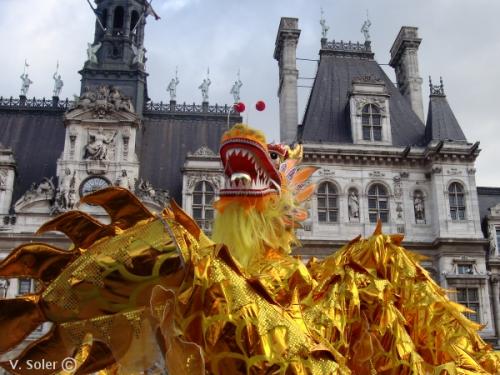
(285, 53)
(404, 60)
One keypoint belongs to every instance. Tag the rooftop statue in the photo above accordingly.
(204, 87)
(365, 29)
(172, 86)
(151, 288)
(235, 89)
(58, 82)
(324, 26)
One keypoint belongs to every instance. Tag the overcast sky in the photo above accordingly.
(461, 42)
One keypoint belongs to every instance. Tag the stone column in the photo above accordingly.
(285, 54)
(495, 285)
(404, 60)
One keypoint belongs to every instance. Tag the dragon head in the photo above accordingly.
(263, 191)
(250, 165)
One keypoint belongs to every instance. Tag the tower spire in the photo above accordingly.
(117, 55)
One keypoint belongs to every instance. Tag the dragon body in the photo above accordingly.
(150, 291)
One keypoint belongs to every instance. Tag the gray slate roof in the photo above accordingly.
(441, 122)
(165, 142)
(327, 117)
(36, 138)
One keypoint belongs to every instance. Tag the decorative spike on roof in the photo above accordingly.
(436, 90)
(441, 122)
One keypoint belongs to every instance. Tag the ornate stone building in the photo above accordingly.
(55, 151)
(376, 156)
(378, 159)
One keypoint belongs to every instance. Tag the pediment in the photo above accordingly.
(104, 103)
(100, 115)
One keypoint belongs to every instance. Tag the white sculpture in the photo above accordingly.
(139, 54)
(235, 90)
(204, 88)
(26, 84)
(353, 203)
(26, 80)
(92, 51)
(58, 84)
(324, 26)
(172, 86)
(123, 181)
(418, 204)
(97, 148)
(365, 29)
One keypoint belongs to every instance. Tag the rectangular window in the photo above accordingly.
(377, 133)
(469, 297)
(498, 237)
(366, 133)
(24, 286)
(465, 269)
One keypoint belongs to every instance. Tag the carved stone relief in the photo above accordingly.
(101, 145)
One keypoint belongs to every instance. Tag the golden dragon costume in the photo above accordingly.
(150, 287)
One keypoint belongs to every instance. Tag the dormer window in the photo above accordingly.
(369, 110)
(371, 123)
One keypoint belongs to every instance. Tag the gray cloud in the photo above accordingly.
(460, 42)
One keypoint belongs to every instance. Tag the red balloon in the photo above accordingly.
(260, 105)
(239, 107)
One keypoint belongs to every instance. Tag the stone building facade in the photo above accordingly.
(378, 158)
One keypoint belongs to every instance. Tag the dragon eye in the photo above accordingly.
(273, 155)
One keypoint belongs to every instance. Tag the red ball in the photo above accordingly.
(239, 107)
(260, 105)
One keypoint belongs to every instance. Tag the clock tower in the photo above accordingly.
(99, 147)
(117, 55)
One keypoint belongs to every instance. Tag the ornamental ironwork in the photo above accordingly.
(34, 103)
(347, 46)
(190, 108)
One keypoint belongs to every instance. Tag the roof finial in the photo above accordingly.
(436, 90)
(365, 29)
(324, 26)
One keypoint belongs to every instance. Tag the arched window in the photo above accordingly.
(118, 18)
(457, 201)
(134, 18)
(203, 197)
(378, 203)
(419, 206)
(327, 203)
(371, 122)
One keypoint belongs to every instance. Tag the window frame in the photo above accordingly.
(370, 112)
(22, 291)
(327, 210)
(457, 211)
(467, 302)
(204, 205)
(377, 210)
